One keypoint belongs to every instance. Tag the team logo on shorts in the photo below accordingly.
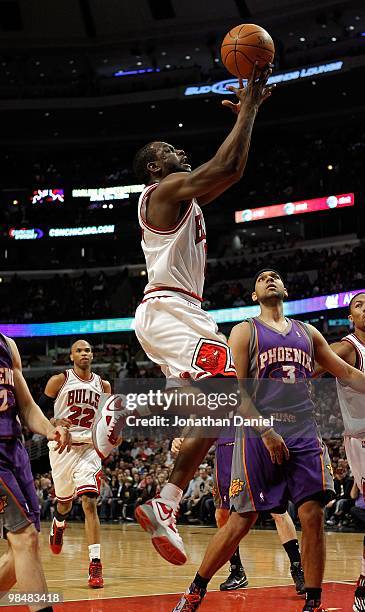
(236, 487)
(3, 503)
(212, 358)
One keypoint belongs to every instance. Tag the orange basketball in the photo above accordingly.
(243, 46)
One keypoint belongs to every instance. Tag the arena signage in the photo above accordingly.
(220, 87)
(25, 234)
(42, 196)
(70, 232)
(102, 194)
(224, 315)
(295, 208)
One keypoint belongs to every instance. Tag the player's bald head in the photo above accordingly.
(80, 344)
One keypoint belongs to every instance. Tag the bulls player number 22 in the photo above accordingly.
(81, 416)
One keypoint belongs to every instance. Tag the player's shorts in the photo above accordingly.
(258, 485)
(19, 504)
(222, 474)
(183, 339)
(76, 472)
(355, 453)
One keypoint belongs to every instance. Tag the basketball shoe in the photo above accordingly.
(297, 574)
(158, 518)
(56, 537)
(359, 602)
(96, 580)
(237, 579)
(108, 424)
(191, 600)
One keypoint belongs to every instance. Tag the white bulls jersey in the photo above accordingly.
(78, 400)
(352, 403)
(175, 257)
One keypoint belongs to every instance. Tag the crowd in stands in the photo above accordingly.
(138, 470)
(228, 284)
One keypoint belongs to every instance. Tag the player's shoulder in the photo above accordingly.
(56, 382)
(241, 330)
(107, 388)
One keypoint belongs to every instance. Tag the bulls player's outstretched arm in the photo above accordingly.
(227, 165)
(343, 349)
(335, 365)
(30, 412)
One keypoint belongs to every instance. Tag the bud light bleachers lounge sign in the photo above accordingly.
(220, 87)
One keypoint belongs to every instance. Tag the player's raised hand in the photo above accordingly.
(62, 436)
(275, 446)
(255, 92)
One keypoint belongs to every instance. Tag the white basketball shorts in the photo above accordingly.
(355, 453)
(76, 472)
(182, 338)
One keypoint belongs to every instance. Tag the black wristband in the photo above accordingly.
(45, 402)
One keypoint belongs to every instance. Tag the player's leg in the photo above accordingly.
(237, 578)
(62, 467)
(87, 479)
(288, 537)
(219, 551)
(24, 544)
(311, 516)
(92, 528)
(355, 453)
(7, 571)
(310, 485)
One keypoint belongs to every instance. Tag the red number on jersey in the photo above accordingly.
(87, 418)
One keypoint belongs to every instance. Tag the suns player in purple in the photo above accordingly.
(19, 507)
(270, 467)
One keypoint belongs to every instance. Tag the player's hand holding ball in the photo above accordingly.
(247, 52)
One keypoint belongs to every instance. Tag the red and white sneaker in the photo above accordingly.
(191, 600)
(108, 424)
(56, 537)
(96, 580)
(158, 518)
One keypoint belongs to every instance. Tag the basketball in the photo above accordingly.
(243, 46)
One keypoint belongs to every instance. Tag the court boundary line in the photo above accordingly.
(271, 586)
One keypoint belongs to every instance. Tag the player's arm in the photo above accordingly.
(107, 386)
(29, 411)
(239, 342)
(334, 364)
(225, 167)
(46, 400)
(343, 349)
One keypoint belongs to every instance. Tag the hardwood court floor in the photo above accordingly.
(135, 572)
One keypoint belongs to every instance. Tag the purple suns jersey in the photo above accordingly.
(285, 360)
(9, 423)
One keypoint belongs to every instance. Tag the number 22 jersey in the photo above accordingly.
(78, 401)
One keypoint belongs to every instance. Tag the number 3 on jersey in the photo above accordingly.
(289, 374)
(81, 417)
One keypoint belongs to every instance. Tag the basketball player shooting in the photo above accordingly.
(284, 462)
(170, 325)
(74, 395)
(19, 515)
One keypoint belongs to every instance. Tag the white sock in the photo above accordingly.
(60, 523)
(172, 494)
(94, 551)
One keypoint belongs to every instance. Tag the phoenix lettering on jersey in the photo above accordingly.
(284, 353)
(6, 376)
(83, 396)
(200, 233)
